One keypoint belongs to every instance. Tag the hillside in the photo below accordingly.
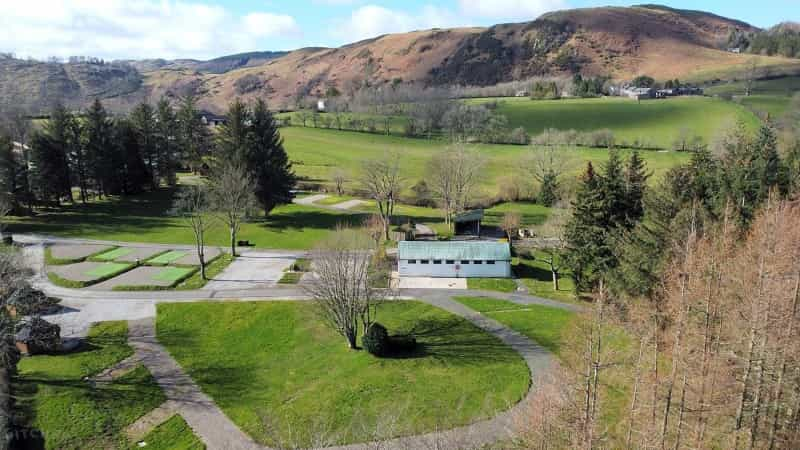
(610, 41)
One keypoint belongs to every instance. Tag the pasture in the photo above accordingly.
(656, 123)
(768, 96)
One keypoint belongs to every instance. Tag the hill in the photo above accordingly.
(618, 42)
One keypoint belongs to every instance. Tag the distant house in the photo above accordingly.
(522, 93)
(639, 93)
(468, 223)
(211, 119)
(735, 50)
(321, 104)
(454, 259)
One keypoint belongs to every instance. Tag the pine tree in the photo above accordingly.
(548, 192)
(768, 161)
(193, 138)
(233, 140)
(51, 172)
(166, 137)
(585, 233)
(612, 188)
(99, 148)
(11, 172)
(130, 170)
(636, 177)
(143, 120)
(268, 161)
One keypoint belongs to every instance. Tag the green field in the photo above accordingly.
(768, 96)
(277, 366)
(492, 284)
(168, 257)
(57, 399)
(113, 254)
(173, 274)
(107, 270)
(316, 153)
(536, 276)
(656, 122)
(174, 434)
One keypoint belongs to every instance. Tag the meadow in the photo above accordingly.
(654, 122)
(768, 96)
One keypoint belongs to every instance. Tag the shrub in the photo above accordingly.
(41, 336)
(519, 136)
(376, 340)
(402, 344)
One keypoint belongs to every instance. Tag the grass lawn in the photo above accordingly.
(174, 434)
(213, 269)
(492, 284)
(277, 366)
(290, 278)
(108, 269)
(543, 324)
(58, 401)
(173, 274)
(768, 96)
(333, 199)
(657, 122)
(145, 219)
(111, 255)
(316, 153)
(536, 276)
(168, 257)
(531, 213)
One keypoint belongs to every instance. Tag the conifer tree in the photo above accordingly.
(269, 162)
(143, 120)
(98, 153)
(193, 138)
(585, 233)
(131, 174)
(234, 138)
(636, 177)
(49, 162)
(166, 137)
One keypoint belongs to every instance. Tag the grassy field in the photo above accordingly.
(144, 218)
(72, 414)
(316, 153)
(657, 122)
(768, 96)
(174, 434)
(492, 284)
(536, 276)
(275, 369)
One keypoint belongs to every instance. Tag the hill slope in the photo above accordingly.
(611, 41)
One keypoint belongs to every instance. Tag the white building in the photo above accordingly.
(454, 259)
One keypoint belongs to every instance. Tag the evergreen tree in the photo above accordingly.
(131, 171)
(166, 139)
(233, 140)
(548, 192)
(144, 122)
(268, 161)
(769, 162)
(49, 160)
(585, 234)
(99, 149)
(635, 186)
(612, 185)
(193, 138)
(12, 173)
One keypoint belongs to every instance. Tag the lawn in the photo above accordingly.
(174, 434)
(56, 398)
(111, 255)
(531, 213)
(492, 284)
(168, 257)
(280, 373)
(145, 219)
(108, 269)
(768, 96)
(536, 276)
(316, 153)
(656, 122)
(173, 274)
(543, 324)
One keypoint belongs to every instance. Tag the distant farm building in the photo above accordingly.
(321, 104)
(211, 119)
(454, 259)
(522, 93)
(468, 223)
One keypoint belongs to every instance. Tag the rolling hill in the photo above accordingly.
(609, 41)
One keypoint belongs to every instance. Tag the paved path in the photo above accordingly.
(309, 200)
(252, 269)
(349, 204)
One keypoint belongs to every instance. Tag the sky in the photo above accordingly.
(204, 29)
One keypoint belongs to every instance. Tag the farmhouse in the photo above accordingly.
(454, 259)
(211, 119)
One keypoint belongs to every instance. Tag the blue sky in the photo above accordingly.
(204, 29)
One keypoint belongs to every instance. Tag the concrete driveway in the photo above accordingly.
(252, 270)
(431, 283)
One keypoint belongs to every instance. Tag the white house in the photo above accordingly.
(454, 259)
(321, 104)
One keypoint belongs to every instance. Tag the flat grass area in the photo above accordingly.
(531, 213)
(173, 274)
(333, 199)
(656, 122)
(544, 324)
(316, 153)
(145, 219)
(279, 372)
(536, 276)
(111, 255)
(56, 399)
(108, 270)
(492, 284)
(768, 96)
(174, 434)
(290, 278)
(213, 269)
(168, 257)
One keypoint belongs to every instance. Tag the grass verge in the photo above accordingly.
(290, 278)
(174, 434)
(492, 284)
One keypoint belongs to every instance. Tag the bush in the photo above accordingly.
(41, 336)
(376, 340)
(402, 344)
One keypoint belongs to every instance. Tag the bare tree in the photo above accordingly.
(553, 243)
(342, 287)
(339, 177)
(233, 197)
(194, 206)
(750, 77)
(381, 179)
(454, 174)
(510, 224)
(373, 225)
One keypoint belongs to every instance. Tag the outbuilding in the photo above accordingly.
(468, 223)
(454, 259)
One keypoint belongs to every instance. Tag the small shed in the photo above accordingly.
(454, 259)
(468, 223)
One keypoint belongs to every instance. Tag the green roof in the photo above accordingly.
(472, 250)
(469, 216)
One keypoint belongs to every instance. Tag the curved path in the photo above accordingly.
(208, 421)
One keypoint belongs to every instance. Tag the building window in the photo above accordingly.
(412, 261)
(490, 262)
(465, 262)
(423, 261)
(437, 261)
(477, 261)
(450, 261)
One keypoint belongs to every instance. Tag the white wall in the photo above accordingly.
(500, 269)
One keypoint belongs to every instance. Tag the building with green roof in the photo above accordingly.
(454, 259)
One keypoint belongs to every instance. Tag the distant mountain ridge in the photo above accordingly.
(620, 42)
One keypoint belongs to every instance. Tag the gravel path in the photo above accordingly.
(350, 204)
(310, 199)
(252, 269)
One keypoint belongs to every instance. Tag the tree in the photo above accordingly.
(232, 196)
(510, 224)
(553, 248)
(49, 157)
(5, 210)
(233, 137)
(128, 173)
(143, 120)
(454, 174)
(339, 177)
(99, 150)
(636, 177)
(193, 205)
(381, 179)
(193, 138)
(343, 287)
(547, 165)
(585, 234)
(268, 162)
(166, 138)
